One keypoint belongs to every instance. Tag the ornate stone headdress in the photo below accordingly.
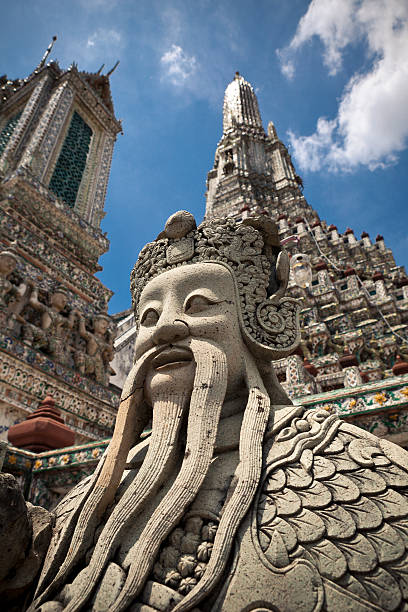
(251, 251)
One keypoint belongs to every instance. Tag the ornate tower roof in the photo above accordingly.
(240, 105)
(250, 166)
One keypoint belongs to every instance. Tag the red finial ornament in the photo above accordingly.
(42, 430)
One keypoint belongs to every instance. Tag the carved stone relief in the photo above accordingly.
(45, 321)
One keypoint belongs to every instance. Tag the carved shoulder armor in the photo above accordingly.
(336, 497)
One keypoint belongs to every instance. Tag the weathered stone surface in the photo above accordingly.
(24, 573)
(109, 588)
(15, 525)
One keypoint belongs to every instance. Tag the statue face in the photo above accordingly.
(59, 300)
(196, 300)
(7, 265)
(101, 325)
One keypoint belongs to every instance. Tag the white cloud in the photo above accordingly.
(178, 66)
(333, 22)
(287, 66)
(196, 43)
(309, 150)
(105, 38)
(371, 126)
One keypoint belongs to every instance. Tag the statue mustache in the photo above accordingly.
(135, 378)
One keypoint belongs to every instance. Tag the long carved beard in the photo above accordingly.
(132, 418)
(190, 478)
(210, 384)
(205, 407)
(248, 474)
(204, 412)
(167, 419)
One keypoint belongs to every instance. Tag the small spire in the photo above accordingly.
(48, 51)
(100, 69)
(272, 133)
(113, 69)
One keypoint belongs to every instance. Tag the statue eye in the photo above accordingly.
(149, 318)
(197, 303)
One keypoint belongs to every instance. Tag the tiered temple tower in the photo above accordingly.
(57, 133)
(354, 297)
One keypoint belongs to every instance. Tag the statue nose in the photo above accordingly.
(170, 332)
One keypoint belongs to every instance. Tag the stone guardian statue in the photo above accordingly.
(238, 500)
(99, 349)
(53, 335)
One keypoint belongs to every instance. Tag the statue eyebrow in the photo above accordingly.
(186, 283)
(204, 292)
(150, 295)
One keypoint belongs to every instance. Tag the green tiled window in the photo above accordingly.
(7, 131)
(71, 162)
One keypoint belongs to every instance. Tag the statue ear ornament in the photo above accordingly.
(252, 253)
(277, 332)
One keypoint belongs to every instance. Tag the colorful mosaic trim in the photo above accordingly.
(40, 475)
(40, 361)
(18, 460)
(80, 456)
(72, 456)
(386, 394)
(71, 162)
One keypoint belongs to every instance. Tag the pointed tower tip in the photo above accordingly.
(240, 104)
(272, 133)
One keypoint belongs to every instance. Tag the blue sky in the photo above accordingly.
(331, 74)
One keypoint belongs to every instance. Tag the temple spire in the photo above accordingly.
(47, 52)
(113, 69)
(240, 105)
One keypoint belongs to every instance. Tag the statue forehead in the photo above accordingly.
(191, 277)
